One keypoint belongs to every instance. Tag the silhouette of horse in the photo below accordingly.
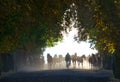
(49, 60)
(74, 59)
(90, 59)
(99, 60)
(80, 60)
(68, 60)
(55, 60)
(61, 60)
(93, 61)
(58, 61)
(42, 61)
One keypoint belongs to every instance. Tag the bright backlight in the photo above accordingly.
(69, 45)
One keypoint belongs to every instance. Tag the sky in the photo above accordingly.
(69, 45)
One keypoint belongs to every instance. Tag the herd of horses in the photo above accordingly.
(54, 61)
(94, 60)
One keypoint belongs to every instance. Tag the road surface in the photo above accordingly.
(60, 75)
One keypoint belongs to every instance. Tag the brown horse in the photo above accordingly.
(93, 60)
(80, 60)
(74, 59)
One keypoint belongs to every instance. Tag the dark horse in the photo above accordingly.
(93, 61)
(49, 60)
(68, 60)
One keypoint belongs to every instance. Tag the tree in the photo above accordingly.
(28, 21)
(30, 24)
(103, 30)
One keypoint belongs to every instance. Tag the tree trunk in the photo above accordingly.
(0, 65)
(116, 65)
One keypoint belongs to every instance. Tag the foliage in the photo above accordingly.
(103, 24)
(28, 23)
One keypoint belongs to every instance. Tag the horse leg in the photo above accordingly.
(78, 64)
(75, 64)
(90, 65)
(82, 64)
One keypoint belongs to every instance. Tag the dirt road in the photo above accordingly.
(63, 75)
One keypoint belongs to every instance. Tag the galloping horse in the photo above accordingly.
(41, 61)
(49, 60)
(93, 61)
(90, 62)
(68, 60)
(61, 61)
(80, 60)
(74, 59)
(55, 60)
(99, 61)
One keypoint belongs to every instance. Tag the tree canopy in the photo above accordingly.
(104, 30)
(28, 23)
(36, 23)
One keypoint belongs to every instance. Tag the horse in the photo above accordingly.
(68, 60)
(93, 60)
(99, 60)
(55, 60)
(49, 60)
(80, 60)
(74, 59)
(42, 61)
(90, 59)
(61, 60)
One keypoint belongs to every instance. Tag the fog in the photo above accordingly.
(57, 66)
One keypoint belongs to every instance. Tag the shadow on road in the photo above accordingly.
(63, 75)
